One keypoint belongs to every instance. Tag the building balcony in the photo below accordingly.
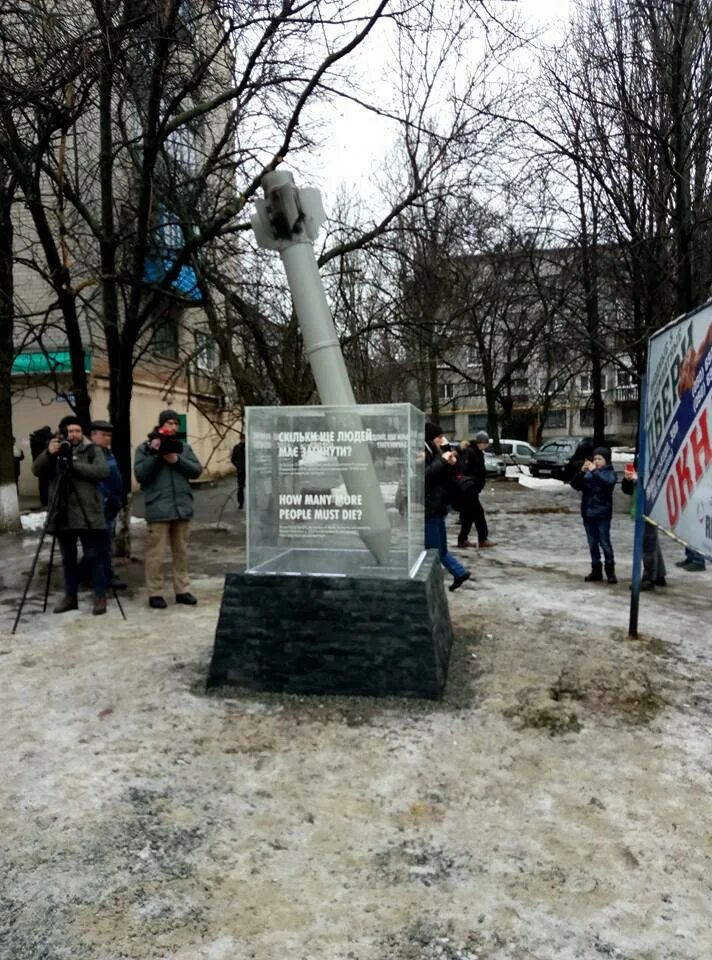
(628, 392)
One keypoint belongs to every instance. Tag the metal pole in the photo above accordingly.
(639, 521)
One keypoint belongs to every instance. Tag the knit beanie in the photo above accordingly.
(603, 452)
(167, 415)
(432, 430)
(69, 421)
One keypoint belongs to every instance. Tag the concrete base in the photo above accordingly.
(334, 635)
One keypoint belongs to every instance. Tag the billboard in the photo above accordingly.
(678, 487)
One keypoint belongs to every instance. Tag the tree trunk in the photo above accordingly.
(9, 507)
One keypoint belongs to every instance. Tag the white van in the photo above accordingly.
(517, 451)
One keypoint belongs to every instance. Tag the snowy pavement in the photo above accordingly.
(554, 805)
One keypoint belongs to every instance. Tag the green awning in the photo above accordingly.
(54, 361)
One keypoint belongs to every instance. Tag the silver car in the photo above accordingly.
(494, 466)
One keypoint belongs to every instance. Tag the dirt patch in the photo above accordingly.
(626, 695)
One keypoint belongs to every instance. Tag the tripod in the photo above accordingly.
(62, 489)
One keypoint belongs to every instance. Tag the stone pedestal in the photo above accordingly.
(334, 635)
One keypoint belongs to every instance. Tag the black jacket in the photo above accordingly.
(439, 483)
(237, 457)
(471, 463)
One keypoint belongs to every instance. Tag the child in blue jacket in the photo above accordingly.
(596, 481)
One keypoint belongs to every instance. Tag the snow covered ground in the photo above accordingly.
(554, 805)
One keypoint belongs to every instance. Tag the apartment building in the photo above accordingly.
(94, 187)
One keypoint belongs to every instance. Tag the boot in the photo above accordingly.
(65, 604)
(99, 606)
(596, 573)
(611, 573)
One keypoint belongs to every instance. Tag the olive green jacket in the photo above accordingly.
(166, 490)
(75, 500)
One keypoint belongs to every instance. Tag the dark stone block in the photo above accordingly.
(334, 635)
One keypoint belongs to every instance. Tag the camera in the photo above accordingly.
(65, 453)
(167, 442)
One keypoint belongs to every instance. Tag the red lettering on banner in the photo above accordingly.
(673, 507)
(701, 445)
(683, 476)
(680, 482)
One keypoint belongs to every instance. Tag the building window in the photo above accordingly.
(586, 415)
(556, 419)
(206, 354)
(182, 147)
(548, 386)
(586, 383)
(624, 378)
(165, 336)
(447, 391)
(168, 242)
(477, 421)
(447, 423)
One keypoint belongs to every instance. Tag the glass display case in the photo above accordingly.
(335, 491)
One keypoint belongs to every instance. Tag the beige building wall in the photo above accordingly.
(212, 437)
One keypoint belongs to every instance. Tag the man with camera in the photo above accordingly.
(164, 466)
(74, 469)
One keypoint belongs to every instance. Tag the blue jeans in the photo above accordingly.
(598, 533)
(436, 539)
(692, 556)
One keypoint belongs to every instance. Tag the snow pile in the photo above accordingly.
(516, 470)
(34, 522)
(537, 483)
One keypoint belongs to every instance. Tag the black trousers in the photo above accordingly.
(473, 512)
(94, 546)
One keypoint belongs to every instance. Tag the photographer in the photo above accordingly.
(74, 469)
(163, 466)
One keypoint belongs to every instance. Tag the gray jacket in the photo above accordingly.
(165, 486)
(78, 503)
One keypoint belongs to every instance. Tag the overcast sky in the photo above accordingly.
(356, 142)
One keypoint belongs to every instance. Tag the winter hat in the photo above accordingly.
(102, 425)
(432, 430)
(167, 415)
(603, 452)
(481, 437)
(68, 421)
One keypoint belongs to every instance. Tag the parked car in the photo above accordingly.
(561, 457)
(494, 466)
(517, 451)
